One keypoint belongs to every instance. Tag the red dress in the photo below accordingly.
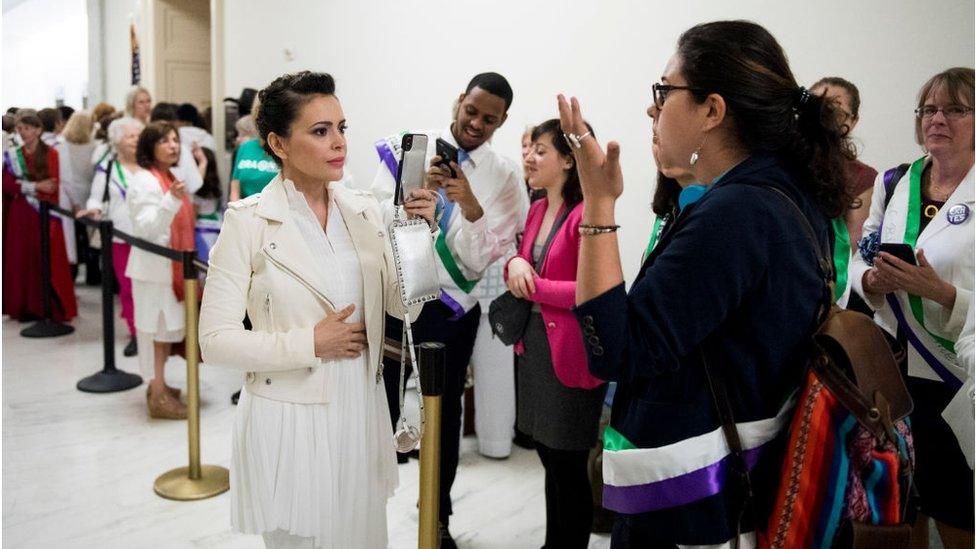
(21, 251)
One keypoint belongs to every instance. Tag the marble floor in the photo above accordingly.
(78, 468)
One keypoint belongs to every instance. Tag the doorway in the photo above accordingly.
(182, 51)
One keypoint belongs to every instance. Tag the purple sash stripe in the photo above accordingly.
(930, 359)
(454, 305)
(675, 491)
(387, 156)
(9, 161)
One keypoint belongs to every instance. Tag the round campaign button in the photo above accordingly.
(958, 214)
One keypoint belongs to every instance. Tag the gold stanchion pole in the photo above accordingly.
(431, 366)
(195, 481)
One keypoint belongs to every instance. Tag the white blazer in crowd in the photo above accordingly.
(186, 170)
(193, 134)
(948, 247)
(261, 266)
(76, 171)
(152, 212)
(117, 212)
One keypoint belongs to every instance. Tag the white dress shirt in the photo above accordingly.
(496, 182)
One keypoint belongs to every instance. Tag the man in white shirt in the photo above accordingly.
(483, 204)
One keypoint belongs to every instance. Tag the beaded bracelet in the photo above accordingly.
(591, 230)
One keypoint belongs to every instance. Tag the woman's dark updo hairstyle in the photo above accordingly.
(743, 63)
(282, 100)
(153, 133)
(572, 192)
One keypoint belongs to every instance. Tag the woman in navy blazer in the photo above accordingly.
(733, 279)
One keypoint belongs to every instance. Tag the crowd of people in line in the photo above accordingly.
(301, 292)
(149, 169)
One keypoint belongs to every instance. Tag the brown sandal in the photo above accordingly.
(162, 405)
(174, 391)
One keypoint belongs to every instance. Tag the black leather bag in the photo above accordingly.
(508, 315)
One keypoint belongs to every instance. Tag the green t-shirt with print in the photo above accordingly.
(253, 168)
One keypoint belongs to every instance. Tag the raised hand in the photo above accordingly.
(178, 190)
(599, 172)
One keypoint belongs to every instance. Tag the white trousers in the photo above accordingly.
(492, 363)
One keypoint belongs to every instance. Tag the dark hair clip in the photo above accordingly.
(803, 95)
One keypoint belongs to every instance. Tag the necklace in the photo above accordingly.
(936, 192)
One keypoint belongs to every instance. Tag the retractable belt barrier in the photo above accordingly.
(195, 481)
(431, 377)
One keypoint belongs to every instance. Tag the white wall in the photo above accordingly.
(400, 64)
(45, 53)
(118, 67)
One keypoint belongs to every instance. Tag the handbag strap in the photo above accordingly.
(552, 234)
(723, 406)
(108, 180)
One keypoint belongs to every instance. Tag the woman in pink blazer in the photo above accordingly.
(559, 402)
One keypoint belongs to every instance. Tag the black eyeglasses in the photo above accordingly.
(953, 112)
(661, 92)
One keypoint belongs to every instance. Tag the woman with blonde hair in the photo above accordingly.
(76, 150)
(138, 103)
(923, 304)
(76, 154)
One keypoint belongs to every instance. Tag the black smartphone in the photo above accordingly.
(448, 154)
(410, 174)
(903, 252)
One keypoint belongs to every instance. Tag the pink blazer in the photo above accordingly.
(555, 291)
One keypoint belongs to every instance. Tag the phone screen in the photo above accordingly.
(903, 252)
(448, 154)
(411, 173)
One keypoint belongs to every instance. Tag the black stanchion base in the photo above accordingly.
(47, 328)
(109, 381)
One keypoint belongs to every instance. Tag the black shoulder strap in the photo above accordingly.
(723, 406)
(108, 180)
(891, 179)
(821, 250)
(552, 234)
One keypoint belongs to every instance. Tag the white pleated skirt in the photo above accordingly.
(156, 307)
(316, 470)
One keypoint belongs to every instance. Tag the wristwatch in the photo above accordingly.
(573, 140)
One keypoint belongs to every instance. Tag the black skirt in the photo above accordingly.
(942, 476)
(556, 416)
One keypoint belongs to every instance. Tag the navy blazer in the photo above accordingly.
(735, 274)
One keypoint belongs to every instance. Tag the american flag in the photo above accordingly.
(134, 46)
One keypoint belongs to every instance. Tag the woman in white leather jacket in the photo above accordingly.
(311, 265)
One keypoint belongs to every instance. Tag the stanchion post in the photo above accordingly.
(109, 380)
(46, 327)
(195, 481)
(431, 366)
